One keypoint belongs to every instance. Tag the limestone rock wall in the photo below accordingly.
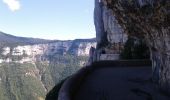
(115, 33)
(144, 18)
(109, 34)
(98, 21)
(160, 55)
(81, 49)
(107, 26)
(43, 52)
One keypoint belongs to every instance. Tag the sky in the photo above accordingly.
(48, 19)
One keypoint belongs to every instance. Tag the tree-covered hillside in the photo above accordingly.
(33, 80)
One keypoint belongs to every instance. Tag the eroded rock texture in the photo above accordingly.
(109, 34)
(99, 23)
(114, 31)
(144, 18)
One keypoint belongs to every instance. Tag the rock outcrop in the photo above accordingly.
(109, 34)
(149, 19)
(100, 37)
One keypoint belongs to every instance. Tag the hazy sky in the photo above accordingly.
(49, 19)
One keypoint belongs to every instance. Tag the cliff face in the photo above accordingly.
(144, 18)
(43, 52)
(109, 34)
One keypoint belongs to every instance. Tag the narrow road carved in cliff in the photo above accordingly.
(119, 83)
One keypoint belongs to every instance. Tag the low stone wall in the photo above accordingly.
(109, 56)
(72, 84)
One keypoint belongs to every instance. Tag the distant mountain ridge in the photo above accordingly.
(8, 39)
(4, 37)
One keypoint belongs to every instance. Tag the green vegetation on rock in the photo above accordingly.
(22, 81)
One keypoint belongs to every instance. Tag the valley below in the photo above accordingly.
(30, 68)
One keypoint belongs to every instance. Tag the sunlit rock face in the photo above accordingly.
(43, 52)
(109, 34)
(114, 31)
(149, 19)
(98, 21)
(81, 48)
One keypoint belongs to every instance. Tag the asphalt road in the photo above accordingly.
(119, 83)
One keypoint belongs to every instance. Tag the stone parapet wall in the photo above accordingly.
(109, 56)
(72, 84)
